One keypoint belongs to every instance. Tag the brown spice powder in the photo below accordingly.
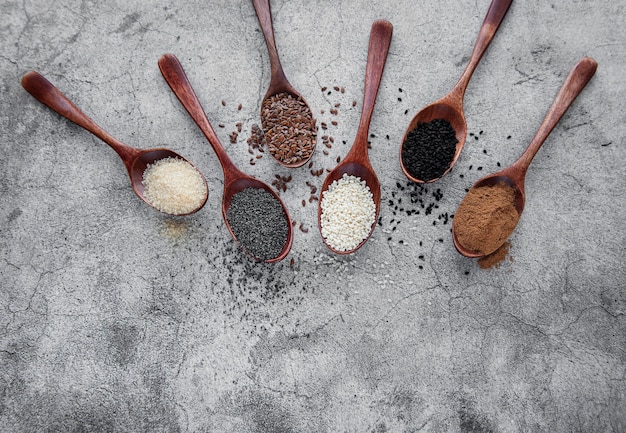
(486, 217)
(494, 259)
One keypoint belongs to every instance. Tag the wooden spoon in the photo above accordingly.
(450, 107)
(278, 80)
(356, 162)
(235, 180)
(515, 174)
(135, 160)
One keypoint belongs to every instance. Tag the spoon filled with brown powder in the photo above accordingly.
(491, 209)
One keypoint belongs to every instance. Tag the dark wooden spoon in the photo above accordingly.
(450, 107)
(515, 174)
(356, 162)
(135, 160)
(235, 180)
(278, 80)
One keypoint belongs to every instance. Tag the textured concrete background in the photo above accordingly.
(114, 317)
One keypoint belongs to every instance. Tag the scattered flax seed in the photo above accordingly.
(336, 88)
(324, 88)
(290, 129)
(223, 103)
(343, 90)
(338, 104)
(331, 139)
(239, 107)
(221, 125)
(303, 229)
(334, 111)
(239, 125)
(233, 136)
(338, 158)
(324, 125)
(354, 103)
(303, 203)
(311, 164)
(334, 122)
(325, 152)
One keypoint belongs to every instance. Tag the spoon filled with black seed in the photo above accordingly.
(254, 214)
(435, 137)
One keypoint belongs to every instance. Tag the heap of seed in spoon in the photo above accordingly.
(174, 186)
(289, 127)
(429, 149)
(348, 213)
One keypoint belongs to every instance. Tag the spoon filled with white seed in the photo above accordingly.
(160, 177)
(350, 197)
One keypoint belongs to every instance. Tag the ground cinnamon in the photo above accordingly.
(485, 218)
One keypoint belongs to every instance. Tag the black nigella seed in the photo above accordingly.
(429, 149)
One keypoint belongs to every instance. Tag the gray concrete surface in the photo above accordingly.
(116, 318)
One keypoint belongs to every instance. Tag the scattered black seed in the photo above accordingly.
(429, 149)
(498, 164)
(406, 111)
(466, 272)
(399, 99)
(479, 168)
(485, 151)
(508, 137)
(400, 90)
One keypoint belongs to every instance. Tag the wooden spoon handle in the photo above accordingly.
(495, 14)
(45, 92)
(264, 14)
(380, 39)
(575, 82)
(173, 72)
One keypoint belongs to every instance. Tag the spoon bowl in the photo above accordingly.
(278, 81)
(515, 174)
(235, 180)
(135, 160)
(450, 107)
(356, 162)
